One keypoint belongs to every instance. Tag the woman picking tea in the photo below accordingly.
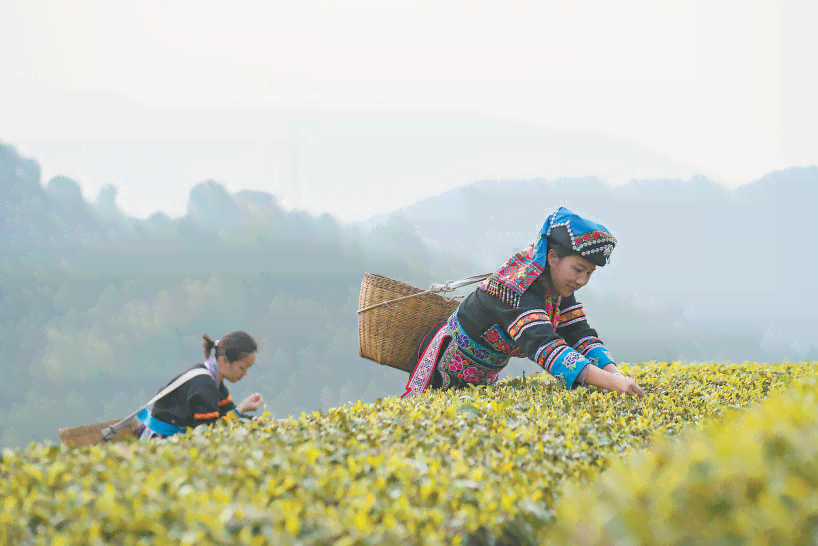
(527, 308)
(204, 399)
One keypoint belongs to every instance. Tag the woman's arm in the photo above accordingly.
(208, 403)
(227, 406)
(576, 331)
(529, 326)
(611, 368)
(574, 328)
(613, 382)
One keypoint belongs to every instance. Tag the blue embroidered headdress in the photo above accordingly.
(590, 240)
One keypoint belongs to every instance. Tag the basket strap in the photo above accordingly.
(108, 432)
(448, 286)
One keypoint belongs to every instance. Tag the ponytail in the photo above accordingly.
(208, 345)
(235, 346)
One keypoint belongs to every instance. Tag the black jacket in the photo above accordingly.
(527, 331)
(199, 401)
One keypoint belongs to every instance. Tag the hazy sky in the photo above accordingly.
(357, 107)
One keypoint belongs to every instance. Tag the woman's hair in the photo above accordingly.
(234, 346)
(561, 250)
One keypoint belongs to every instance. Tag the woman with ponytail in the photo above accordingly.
(204, 398)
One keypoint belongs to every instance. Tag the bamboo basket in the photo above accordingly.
(90, 434)
(389, 334)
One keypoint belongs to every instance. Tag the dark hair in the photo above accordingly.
(561, 250)
(234, 346)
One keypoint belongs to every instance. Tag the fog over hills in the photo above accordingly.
(351, 165)
(742, 259)
(100, 309)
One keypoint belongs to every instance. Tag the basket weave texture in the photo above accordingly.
(390, 334)
(89, 434)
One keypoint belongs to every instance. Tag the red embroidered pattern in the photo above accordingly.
(515, 276)
(225, 401)
(422, 374)
(547, 353)
(461, 368)
(588, 343)
(571, 315)
(592, 236)
(495, 341)
(210, 415)
(525, 320)
(552, 308)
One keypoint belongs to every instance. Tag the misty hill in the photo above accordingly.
(100, 309)
(741, 258)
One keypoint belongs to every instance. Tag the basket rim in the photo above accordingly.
(389, 334)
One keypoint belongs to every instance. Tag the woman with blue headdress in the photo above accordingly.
(527, 308)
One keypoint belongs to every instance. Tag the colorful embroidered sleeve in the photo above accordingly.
(531, 328)
(574, 328)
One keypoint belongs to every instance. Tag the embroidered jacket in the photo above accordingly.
(199, 401)
(551, 331)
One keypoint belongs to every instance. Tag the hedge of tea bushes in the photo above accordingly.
(751, 480)
(460, 467)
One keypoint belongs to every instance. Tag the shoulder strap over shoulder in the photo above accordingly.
(108, 432)
(181, 380)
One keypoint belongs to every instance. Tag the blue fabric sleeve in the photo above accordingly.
(576, 331)
(600, 357)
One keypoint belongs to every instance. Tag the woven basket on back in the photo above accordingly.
(390, 334)
(89, 434)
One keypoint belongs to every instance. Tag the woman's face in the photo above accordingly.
(235, 371)
(569, 274)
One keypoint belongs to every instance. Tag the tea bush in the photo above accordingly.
(460, 467)
(752, 480)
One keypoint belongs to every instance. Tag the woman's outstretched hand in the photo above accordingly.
(614, 382)
(251, 403)
(625, 385)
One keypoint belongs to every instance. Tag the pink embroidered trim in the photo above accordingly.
(422, 373)
(212, 368)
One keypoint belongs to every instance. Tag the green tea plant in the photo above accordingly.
(480, 465)
(749, 480)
